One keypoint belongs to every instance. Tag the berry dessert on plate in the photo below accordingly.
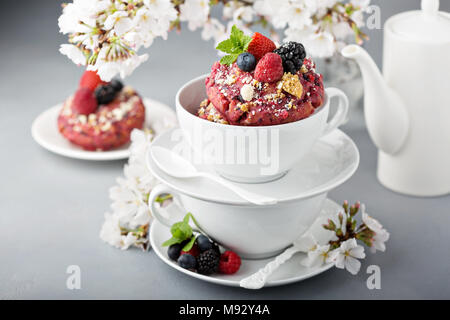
(100, 116)
(260, 84)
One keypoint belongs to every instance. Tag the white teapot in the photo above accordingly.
(407, 109)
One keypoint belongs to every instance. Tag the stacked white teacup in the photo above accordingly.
(296, 163)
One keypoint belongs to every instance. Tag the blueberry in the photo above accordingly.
(174, 251)
(105, 94)
(204, 243)
(246, 62)
(116, 84)
(187, 261)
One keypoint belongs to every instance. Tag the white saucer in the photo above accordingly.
(332, 161)
(45, 132)
(290, 272)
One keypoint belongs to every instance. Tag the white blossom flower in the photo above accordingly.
(244, 13)
(297, 15)
(321, 45)
(128, 241)
(381, 235)
(84, 11)
(347, 255)
(268, 8)
(140, 141)
(129, 204)
(306, 243)
(195, 12)
(108, 69)
(213, 29)
(320, 7)
(363, 4)
(119, 21)
(73, 53)
(341, 30)
(317, 257)
(378, 241)
(111, 233)
(138, 174)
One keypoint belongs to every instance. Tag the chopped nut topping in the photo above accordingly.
(303, 69)
(82, 118)
(243, 107)
(292, 85)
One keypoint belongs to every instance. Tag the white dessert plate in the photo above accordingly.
(332, 161)
(290, 272)
(44, 130)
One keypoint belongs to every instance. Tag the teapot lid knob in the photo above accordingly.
(430, 7)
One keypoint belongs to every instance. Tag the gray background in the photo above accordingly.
(51, 207)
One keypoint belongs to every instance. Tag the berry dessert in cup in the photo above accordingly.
(265, 86)
(100, 116)
(267, 104)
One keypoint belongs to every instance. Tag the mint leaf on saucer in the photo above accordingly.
(234, 46)
(181, 231)
(189, 245)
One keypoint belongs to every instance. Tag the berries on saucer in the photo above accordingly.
(260, 45)
(246, 62)
(229, 263)
(208, 262)
(84, 102)
(174, 251)
(195, 251)
(292, 53)
(187, 261)
(269, 68)
(204, 243)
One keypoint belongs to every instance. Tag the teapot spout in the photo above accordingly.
(385, 112)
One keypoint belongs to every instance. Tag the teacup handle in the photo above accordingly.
(176, 212)
(340, 117)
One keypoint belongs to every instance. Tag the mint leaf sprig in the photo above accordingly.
(234, 46)
(182, 231)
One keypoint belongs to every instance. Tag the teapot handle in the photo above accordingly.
(340, 117)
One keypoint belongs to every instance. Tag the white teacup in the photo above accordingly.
(253, 232)
(253, 154)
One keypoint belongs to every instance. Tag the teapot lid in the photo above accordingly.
(428, 24)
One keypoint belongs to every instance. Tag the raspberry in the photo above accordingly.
(90, 80)
(195, 251)
(260, 45)
(84, 102)
(229, 263)
(269, 68)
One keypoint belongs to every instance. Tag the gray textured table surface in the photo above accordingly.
(51, 207)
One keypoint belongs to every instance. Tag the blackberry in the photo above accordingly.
(105, 94)
(116, 84)
(208, 262)
(292, 53)
(246, 62)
